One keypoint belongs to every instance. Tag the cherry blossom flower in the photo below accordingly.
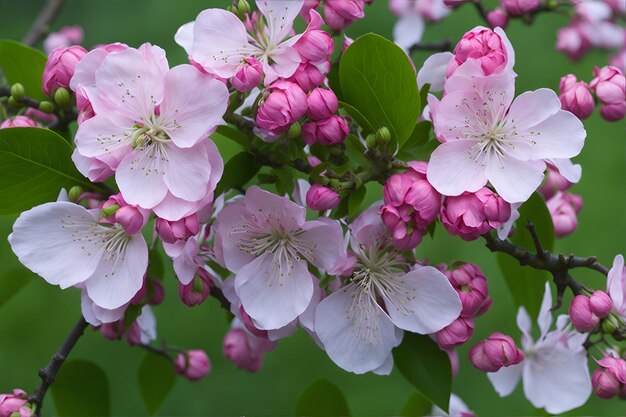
(616, 286)
(360, 323)
(66, 244)
(265, 240)
(219, 42)
(554, 370)
(488, 136)
(151, 126)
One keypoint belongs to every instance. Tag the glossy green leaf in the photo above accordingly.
(416, 405)
(357, 117)
(426, 367)
(11, 282)
(237, 172)
(23, 64)
(156, 380)
(424, 96)
(527, 284)
(34, 165)
(322, 399)
(355, 151)
(378, 79)
(81, 388)
(233, 134)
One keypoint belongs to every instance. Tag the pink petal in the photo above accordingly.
(452, 171)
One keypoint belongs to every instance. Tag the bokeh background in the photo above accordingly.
(36, 320)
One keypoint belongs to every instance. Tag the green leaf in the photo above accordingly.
(415, 405)
(233, 134)
(237, 172)
(23, 64)
(378, 79)
(11, 282)
(426, 367)
(527, 284)
(285, 180)
(81, 388)
(355, 200)
(357, 117)
(34, 165)
(156, 380)
(355, 151)
(424, 96)
(320, 399)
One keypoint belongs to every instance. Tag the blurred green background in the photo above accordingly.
(36, 320)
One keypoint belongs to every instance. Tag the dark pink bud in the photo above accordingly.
(236, 347)
(11, 403)
(155, 293)
(197, 290)
(307, 7)
(601, 304)
(183, 229)
(322, 103)
(60, 67)
(609, 85)
(18, 121)
(326, 132)
(315, 46)
(341, 13)
(285, 105)
(471, 285)
(554, 182)
(483, 45)
(497, 18)
(581, 315)
(130, 218)
(193, 364)
(248, 75)
(576, 97)
(456, 333)
(613, 112)
(609, 379)
(322, 198)
(563, 208)
(519, 7)
(113, 331)
(133, 335)
(307, 76)
(497, 351)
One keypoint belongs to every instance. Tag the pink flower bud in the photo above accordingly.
(471, 285)
(563, 208)
(313, 160)
(307, 7)
(341, 13)
(113, 331)
(11, 403)
(554, 182)
(471, 215)
(18, 121)
(581, 315)
(133, 335)
(326, 132)
(484, 45)
(322, 198)
(454, 3)
(307, 76)
(246, 350)
(248, 75)
(40, 116)
(315, 46)
(183, 229)
(573, 41)
(519, 7)
(497, 351)
(497, 18)
(60, 67)
(285, 105)
(151, 290)
(456, 333)
(613, 112)
(322, 103)
(197, 290)
(609, 379)
(193, 364)
(601, 304)
(130, 218)
(576, 97)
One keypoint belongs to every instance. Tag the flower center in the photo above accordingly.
(148, 132)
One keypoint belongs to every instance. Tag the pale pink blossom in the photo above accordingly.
(488, 136)
(265, 240)
(151, 128)
(554, 371)
(219, 42)
(66, 244)
(360, 323)
(616, 286)
(457, 408)
(412, 17)
(573, 41)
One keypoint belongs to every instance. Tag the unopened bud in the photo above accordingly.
(62, 97)
(294, 131)
(46, 107)
(383, 135)
(13, 102)
(109, 210)
(609, 324)
(17, 91)
(75, 193)
(243, 6)
(371, 141)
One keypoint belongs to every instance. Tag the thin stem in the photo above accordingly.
(158, 351)
(49, 373)
(440, 46)
(40, 26)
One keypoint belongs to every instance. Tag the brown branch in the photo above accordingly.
(441, 46)
(49, 373)
(40, 26)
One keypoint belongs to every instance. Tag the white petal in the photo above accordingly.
(322, 243)
(616, 285)
(524, 323)
(510, 52)
(140, 175)
(285, 61)
(408, 30)
(513, 179)
(451, 169)
(386, 367)
(55, 240)
(558, 382)
(227, 250)
(533, 107)
(433, 71)
(147, 324)
(273, 291)
(505, 380)
(193, 105)
(185, 264)
(562, 135)
(505, 228)
(544, 319)
(119, 275)
(96, 315)
(184, 36)
(279, 15)
(290, 215)
(356, 333)
(422, 301)
(572, 172)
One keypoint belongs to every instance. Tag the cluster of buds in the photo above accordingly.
(587, 312)
(609, 379)
(339, 14)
